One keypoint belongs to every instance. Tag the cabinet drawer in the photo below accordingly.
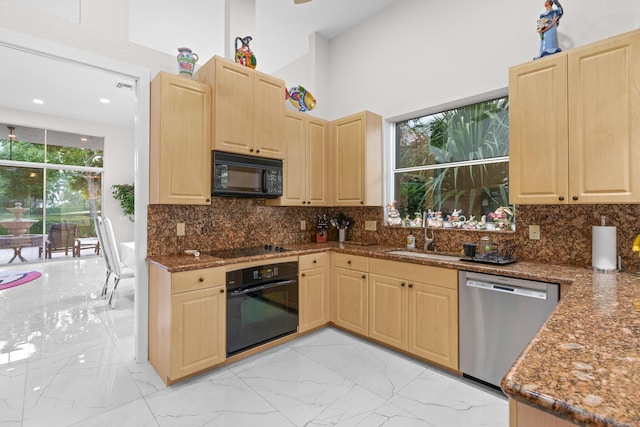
(197, 279)
(444, 277)
(351, 262)
(307, 262)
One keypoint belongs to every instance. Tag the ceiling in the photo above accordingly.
(74, 91)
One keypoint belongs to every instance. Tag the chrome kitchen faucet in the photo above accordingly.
(427, 240)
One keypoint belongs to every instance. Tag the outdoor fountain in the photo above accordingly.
(18, 225)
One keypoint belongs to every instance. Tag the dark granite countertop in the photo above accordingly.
(584, 363)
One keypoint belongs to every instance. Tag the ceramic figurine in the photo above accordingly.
(547, 28)
(418, 219)
(300, 98)
(501, 218)
(186, 61)
(244, 55)
(393, 217)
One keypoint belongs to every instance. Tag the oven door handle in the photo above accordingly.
(262, 288)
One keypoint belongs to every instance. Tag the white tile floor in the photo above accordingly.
(66, 359)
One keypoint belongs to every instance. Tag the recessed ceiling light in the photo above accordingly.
(83, 139)
(38, 101)
(105, 100)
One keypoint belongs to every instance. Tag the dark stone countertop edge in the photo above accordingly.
(561, 274)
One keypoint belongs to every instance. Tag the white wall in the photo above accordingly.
(118, 157)
(418, 54)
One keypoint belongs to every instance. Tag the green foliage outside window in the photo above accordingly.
(66, 194)
(456, 159)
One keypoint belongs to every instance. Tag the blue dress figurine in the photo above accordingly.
(547, 28)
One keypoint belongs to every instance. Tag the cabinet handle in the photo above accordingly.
(201, 279)
(304, 203)
(364, 276)
(251, 150)
(257, 151)
(402, 284)
(314, 261)
(222, 291)
(575, 197)
(349, 262)
(308, 203)
(208, 200)
(561, 198)
(411, 285)
(361, 202)
(303, 274)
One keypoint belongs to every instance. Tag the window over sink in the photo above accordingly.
(455, 163)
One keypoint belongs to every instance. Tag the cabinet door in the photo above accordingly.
(180, 141)
(198, 339)
(433, 324)
(349, 161)
(268, 118)
(604, 121)
(350, 299)
(294, 164)
(538, 134)
(233, 109)
(317, 161)
(314, 298)
(388, 310)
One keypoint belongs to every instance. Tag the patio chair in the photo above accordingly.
(61, 238)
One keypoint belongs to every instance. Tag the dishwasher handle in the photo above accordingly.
(508, 289)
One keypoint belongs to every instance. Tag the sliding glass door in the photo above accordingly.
(50, 193)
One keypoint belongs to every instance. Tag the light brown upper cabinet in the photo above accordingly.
(248, 109)
(306, 161)
(180, 141)
(357, 160)
(574, 120)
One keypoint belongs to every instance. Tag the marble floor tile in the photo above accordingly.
(67, 359)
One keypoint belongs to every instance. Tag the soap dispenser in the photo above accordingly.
(411, 241)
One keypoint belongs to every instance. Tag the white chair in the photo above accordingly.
(118, 268)
(103, 245)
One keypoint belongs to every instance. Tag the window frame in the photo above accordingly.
(389, 154)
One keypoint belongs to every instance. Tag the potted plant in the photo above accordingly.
(125, 195)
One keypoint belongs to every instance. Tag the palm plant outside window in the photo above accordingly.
(456, 159)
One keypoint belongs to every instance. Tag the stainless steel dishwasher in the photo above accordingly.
(498, 317)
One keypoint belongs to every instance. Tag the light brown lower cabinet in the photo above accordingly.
(522, 415)
(313, 288)
(187, 318)
(350, 293)
(415, 308)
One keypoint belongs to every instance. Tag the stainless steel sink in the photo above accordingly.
(423, 255)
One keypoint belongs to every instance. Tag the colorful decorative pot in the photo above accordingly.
(186, 61)
(244, 56)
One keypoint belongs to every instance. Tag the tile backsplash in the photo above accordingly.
(565, 230)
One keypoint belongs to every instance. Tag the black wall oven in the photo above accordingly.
(262, 305)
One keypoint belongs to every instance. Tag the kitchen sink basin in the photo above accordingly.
(424, 255)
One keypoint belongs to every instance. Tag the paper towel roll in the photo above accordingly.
(603, 253)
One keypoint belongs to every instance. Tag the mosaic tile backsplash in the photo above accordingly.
(230, 223)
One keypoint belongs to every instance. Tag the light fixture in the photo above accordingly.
(38, 101)
(11, 132)
(105, 100)
(84, 139)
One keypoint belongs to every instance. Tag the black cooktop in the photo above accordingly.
(250, 251)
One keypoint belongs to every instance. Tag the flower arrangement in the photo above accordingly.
(342, 222)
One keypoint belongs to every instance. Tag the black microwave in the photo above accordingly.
(237, 175)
